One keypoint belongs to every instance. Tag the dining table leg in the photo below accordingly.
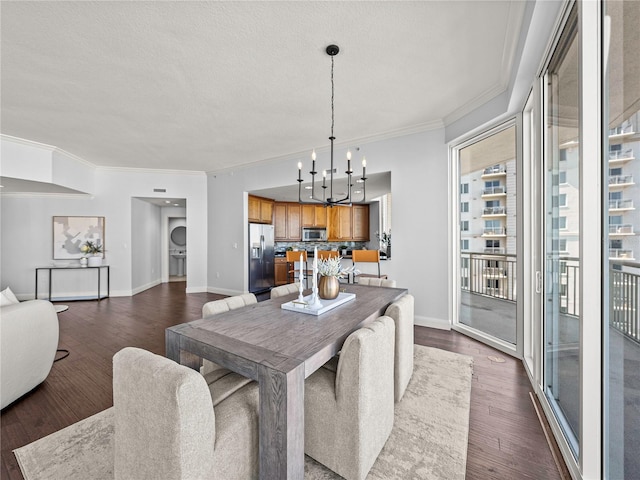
(281, 429)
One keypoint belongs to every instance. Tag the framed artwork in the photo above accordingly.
(70, 233)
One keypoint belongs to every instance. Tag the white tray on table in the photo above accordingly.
(327, 305)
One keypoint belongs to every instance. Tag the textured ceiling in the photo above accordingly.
(211, 85)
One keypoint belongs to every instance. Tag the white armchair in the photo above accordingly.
(28, 342)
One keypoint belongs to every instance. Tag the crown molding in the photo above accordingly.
(150, 170)
(418, 128)
(469, 107)
(44, 146)
(45, 194)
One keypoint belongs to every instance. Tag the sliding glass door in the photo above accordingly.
(562, 242)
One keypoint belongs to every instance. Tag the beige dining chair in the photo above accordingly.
(283, 290)
(376, 282)
(402, 312)
(348, 415)
(216, 307)
(366, 256)
(170, 424)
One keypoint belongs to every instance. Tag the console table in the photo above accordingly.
(97, 269)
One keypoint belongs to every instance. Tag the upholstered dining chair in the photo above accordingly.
(348, 414)
(283, 290)
(216, 307)
(366, 256)
(376, 282)
(170, 424)
(402, 312)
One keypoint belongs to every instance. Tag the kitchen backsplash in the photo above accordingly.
(321, 245)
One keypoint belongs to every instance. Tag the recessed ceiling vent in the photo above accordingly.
(160, 190)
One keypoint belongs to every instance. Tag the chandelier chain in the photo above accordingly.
(332, 108)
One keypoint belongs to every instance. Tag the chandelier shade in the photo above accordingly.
(331, 200)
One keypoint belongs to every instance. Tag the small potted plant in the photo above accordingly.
(94, 251)
(330, 270)
(385, 242)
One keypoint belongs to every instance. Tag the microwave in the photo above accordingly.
(314, 234)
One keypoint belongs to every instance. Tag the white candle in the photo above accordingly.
(301, 274)
(315, 266)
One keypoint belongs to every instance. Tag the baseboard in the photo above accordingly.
(438, 323)
(224, 291)
(147, 286)
(196, 290)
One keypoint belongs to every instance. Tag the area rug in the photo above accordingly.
(428, 441)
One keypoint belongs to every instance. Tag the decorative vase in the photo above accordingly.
(83, 262)
(328, 287)
(95, 261)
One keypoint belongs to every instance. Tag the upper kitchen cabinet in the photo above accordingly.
(286, 219)
(314, 216)
(260, 209)
(348, 223)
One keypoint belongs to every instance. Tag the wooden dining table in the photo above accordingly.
(278, 349)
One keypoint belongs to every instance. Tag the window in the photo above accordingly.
(464, 188)
(491, 183)
(464, 207)
(562, 200)
(492, 203)
(615, 244)
(615, 219)
(492, 243)
(562, 223)
(464, 226)
(464, 244)
(562, 244)
(615, 172)
(562, 177)
(615, 195)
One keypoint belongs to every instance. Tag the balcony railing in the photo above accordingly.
(489, 275)
(494, 211)
(619, 155)
(493, 170)
(626, 229)
(494, 231)
(624, 303)
(620, 179)
(621, 204)
(620, 253)
(494, 250)
(623, 130)
(499, 190)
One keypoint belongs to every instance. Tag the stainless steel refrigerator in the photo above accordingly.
(261, 258)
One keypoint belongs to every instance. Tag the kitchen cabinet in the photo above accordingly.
(260, 209)
(360, 223)
(348, 223)
(314, 216)
(281, 269)
(286, 220)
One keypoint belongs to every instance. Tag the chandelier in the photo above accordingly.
(331, 200)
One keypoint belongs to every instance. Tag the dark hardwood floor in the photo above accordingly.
(506, 440)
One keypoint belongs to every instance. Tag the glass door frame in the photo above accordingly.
(454, 249)
(590, 461)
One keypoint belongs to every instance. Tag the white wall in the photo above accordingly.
(145, 243)
(26, 229)
(419, 187)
